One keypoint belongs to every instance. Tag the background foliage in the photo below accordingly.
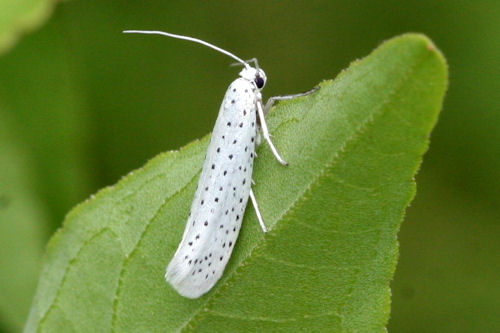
(70, 124)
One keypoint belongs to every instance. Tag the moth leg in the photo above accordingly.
(270, 102)
(257, 211)
(265, 133)
(254, 60)
(258, 139)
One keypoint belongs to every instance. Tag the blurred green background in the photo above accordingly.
(81, 105)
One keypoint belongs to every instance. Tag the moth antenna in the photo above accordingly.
(191, 39)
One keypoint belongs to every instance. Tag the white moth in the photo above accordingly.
(225, 181)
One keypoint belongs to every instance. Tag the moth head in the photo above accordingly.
(256, 75)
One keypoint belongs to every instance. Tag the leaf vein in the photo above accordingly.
(127, 259)
(68, 267)
(272, 320)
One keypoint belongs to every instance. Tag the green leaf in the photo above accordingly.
(22, 233)
(353, 147)
(51, 124)
(16, 17)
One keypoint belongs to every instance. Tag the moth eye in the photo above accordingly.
(259, 82)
